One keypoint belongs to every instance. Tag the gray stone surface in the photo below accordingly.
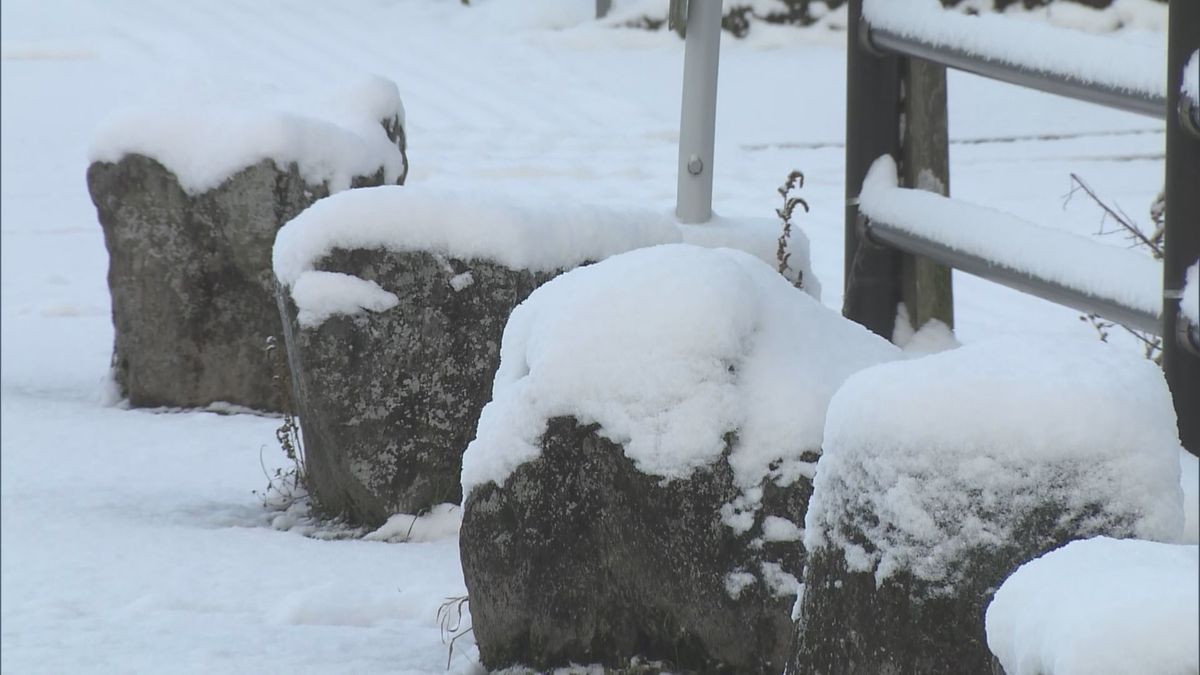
(190, 276)
(581, 558)
(849, 624)
(388, 401)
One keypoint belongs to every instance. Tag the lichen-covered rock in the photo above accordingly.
(581, 558)
(190, 269)
(394, 302)
(388, 399)
(941, 475)
(636, 485)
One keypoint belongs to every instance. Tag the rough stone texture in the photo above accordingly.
(848, 624)
(388, 401)
(190, 277)
(581, 558)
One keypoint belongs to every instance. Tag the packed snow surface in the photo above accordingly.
(669, 349)
(1100, 607)
(982, 432)
(1085, 265)
(205, 143)
(1129, 65)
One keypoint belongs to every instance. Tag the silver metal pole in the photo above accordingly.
(698, 119)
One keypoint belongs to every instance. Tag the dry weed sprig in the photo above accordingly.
(795, 181)
(1151, 344)
(288, 485)
(449, 618)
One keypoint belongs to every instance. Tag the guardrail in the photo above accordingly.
(889, 89)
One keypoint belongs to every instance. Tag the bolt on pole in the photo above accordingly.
(698, 118)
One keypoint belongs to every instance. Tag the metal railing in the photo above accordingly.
(878, 117)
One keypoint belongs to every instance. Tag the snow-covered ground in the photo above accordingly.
(131, 539)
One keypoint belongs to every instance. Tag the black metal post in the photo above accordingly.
(1181, 239)
(872, 281)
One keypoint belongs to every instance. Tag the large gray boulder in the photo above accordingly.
(940, 476)
(190, 271)
(388, 399)
(635, 489)
(580, 557)
(394, 304)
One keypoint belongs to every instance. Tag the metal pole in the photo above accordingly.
(872, 279)
(698, 119)
(1181, 237)
(602, 7)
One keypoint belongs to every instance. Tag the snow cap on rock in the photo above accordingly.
(970, 430)
(670, 349)
(329, 141)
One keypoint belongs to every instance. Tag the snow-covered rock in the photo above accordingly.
(1100, 607)
(189, 217)
(637, 483)
(941, 475)
(355, 132)
(394, 303)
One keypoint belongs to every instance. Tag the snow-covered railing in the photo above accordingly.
(900, 241)
(1118, 284)
(1093, 68)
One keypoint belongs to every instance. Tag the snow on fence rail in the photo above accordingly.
(1119, 284)
(892, 110)
(1119, 74)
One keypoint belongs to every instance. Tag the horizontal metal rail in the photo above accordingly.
(883, 233)
(882, 40)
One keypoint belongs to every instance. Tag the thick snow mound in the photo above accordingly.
(519, 233)
(968, 432)
(1100, 606)
(1072, 260)
(758, 237)
(537, 236)
(669, 349)
(329, 141)
(1133, 66)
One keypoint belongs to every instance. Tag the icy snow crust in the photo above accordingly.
(1074, 261)
(910, 441)
(1121, 64)
(1100, 607)
(669, 349)
(203, 145)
